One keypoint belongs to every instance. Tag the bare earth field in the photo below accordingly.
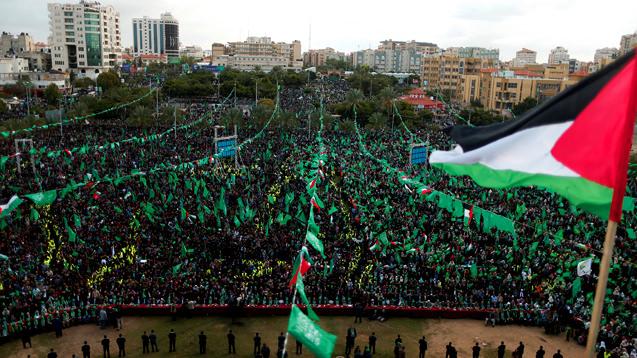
(463, 334)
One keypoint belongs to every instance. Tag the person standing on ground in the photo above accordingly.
(26, 339)
(145, 343)
(172, 341)
(281, 342)
(501, 349)
(372, 343)
(106, 347)
(350, 341)
(257, 344)
(476, 351)
(398, 340)
(448, 352)
(231, 347)
(265, 351)
(520, 350)
(153, 341)
(540, 353)
(422, 347)
(52, 354)
(299, 347)
(121, 345)
(202, 343)
(86, 350)
(558, 354)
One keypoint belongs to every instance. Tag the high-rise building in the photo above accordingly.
(401, 56)
(320, 56)
(444, 72)
(363, 58)
(259, 52)
(627, 42)
(475, 52)
(524, 57)
(156, 36)
(606, 53)
(558, 55)
(15, 45)
(84, 38)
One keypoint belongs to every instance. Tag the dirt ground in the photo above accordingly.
(463, 333)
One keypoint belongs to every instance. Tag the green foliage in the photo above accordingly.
(525, 105)
(232, 117)
(286, 120)
(21, 123)
(52, 94)
(376, 121)
(141, 116)
(108, 80)
(476, 103)
(368, 83)
(480, 117)
(261, 113)
(84, 82)
(334, 64)
(3, 107)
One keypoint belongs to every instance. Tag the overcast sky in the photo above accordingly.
(348, 25)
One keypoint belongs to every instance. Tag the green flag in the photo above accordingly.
(316, 243)
(43, 198)
(300, 288)
(318, 341)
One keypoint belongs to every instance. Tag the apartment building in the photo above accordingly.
(258, 52)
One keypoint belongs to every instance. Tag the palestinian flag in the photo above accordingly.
(302, 264)
(468, 215)
(12, 204)
(576, 144)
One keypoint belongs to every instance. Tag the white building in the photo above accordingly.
(259, 52)
(84, 38)
(364, 58)
(606, 53)
(156, 36)
(13, 65)
(13, 70)
(558, 55)
(627, 42)
(475, 52)
(524, 57)
(192, 51)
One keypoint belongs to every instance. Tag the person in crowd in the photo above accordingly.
(372, 342)
(265, 351)
(121, 345)
(502, 349)
(202, 343)
(257, 344)
(558, 354)
(231, 343)
(86, 350)
(52, 354)
(153, 341)
(476, 350)
(422, 347)
(145, 343)
(106, 347)
(280, 341)
(540, 352)
(299, 347)
(172, 341)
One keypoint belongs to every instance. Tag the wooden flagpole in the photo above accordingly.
(600, 293)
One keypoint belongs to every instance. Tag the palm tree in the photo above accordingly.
(386, 96)
(354, 98)
(376, 121)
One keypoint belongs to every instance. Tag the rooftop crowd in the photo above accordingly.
(213, 233)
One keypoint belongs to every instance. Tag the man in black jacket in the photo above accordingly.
(231, 347)
(501, 349)
(257, 344)
(372, 343)
(86, 350)
(422, 347)
(153, 341)
(121, 345)
(202, 343)
(106, 347)
(172, 341)
(145, 341)
(540, 353)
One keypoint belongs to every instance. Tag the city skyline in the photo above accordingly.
(497, 24)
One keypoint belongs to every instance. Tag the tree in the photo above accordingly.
(354, 98)
(525, 105)
(108, 80)
(84, 82)
(386, 97)
(376, 121)
(52, 94)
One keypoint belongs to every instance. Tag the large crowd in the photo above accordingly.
(211, 232)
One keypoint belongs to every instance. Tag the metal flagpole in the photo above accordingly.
(600, 292)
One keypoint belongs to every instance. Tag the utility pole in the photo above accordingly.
(256, 92)
(235, 94)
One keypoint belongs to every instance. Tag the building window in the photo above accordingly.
(68, 21)
(68, 13)
(512, 85)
